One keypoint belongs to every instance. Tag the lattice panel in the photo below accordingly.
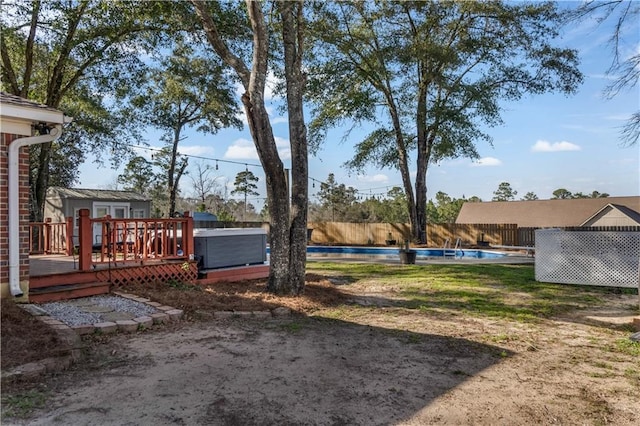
(147, 274)
(591, 258)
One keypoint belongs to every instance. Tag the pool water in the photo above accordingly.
(422, 253)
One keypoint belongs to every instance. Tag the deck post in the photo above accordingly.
(68, 234)
(187, 236)
(46, 230)
(85, 241)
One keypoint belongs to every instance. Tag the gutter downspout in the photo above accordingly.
(14, 203)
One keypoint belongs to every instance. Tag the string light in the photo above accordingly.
(380, 195)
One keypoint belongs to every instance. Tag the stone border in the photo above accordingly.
(71, 334)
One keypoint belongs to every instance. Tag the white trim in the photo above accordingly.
(33, 114)
(14, 126)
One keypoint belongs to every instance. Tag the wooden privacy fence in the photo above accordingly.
(472, 234)
(357, 233)
(379, 233)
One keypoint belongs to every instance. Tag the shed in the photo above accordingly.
(61, 203)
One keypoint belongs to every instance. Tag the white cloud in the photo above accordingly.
(271, 110)
(284, 150)
(544, 146)
(241, 149)
(201, 150)
(269, 88)
(618, 117)
(377, 178)
(487, 162)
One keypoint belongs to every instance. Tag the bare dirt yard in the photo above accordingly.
(359, 349)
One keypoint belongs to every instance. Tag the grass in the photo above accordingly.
(23, 404)
(487, 290)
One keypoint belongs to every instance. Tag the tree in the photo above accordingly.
(504, 192)
(561, 194)
(185, 90)
(204, 184)
(335, 200)
(138, 176)
(288, 226)
(141, 176)
(625, 69)
(431, 72)
(445, 209)
(529, 196)
(393, 208)
(73, 56)
(245, 184)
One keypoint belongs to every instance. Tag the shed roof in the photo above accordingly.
(95, 194)
(541, 213)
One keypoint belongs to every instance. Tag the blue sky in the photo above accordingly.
(546, 142)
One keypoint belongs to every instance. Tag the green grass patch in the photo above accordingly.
(22, 405)
(488, 290)
(292, 327)
(627, 347)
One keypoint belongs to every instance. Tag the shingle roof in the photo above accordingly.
(541, 213)
(96, 194)
(9, 99)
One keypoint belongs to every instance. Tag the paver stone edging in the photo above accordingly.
(72, 334)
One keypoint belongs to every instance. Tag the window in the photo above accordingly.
(102, 211)
(119, 213)
(76, 218)
(137, 213)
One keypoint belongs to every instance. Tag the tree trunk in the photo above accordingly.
(422, 162)
(287, 269)
(292, 31)
(403, 165)
(41, 182)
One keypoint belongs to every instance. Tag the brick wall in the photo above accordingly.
(5, 140)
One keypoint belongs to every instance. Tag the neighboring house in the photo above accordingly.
(22, 123)
(61, 203)
(610, 211)
(614, 215)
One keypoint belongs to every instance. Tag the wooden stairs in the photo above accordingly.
(51, 288)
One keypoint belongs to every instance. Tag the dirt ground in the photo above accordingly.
(375, 363)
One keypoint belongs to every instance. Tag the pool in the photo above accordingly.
(422, 253)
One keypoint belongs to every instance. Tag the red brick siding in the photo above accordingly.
(5, 140)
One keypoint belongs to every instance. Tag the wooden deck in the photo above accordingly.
(40, 265)
(57, 277)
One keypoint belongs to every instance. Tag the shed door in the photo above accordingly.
(116, 210)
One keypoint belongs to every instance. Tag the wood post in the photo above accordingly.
(69, 246)
(85, 241)
(187, 236)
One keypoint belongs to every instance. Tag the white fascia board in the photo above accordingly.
(32, 115)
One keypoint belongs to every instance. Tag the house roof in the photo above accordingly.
(542, 213)
(631, 214)
(18, 114)
(95, 194)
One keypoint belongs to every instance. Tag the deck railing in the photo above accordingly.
(131, 241)
(48, 237)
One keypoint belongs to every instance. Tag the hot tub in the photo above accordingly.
(226, 247)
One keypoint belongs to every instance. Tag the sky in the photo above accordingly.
(546, 142)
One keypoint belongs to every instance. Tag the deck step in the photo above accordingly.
(67, 291)
(76, 277)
